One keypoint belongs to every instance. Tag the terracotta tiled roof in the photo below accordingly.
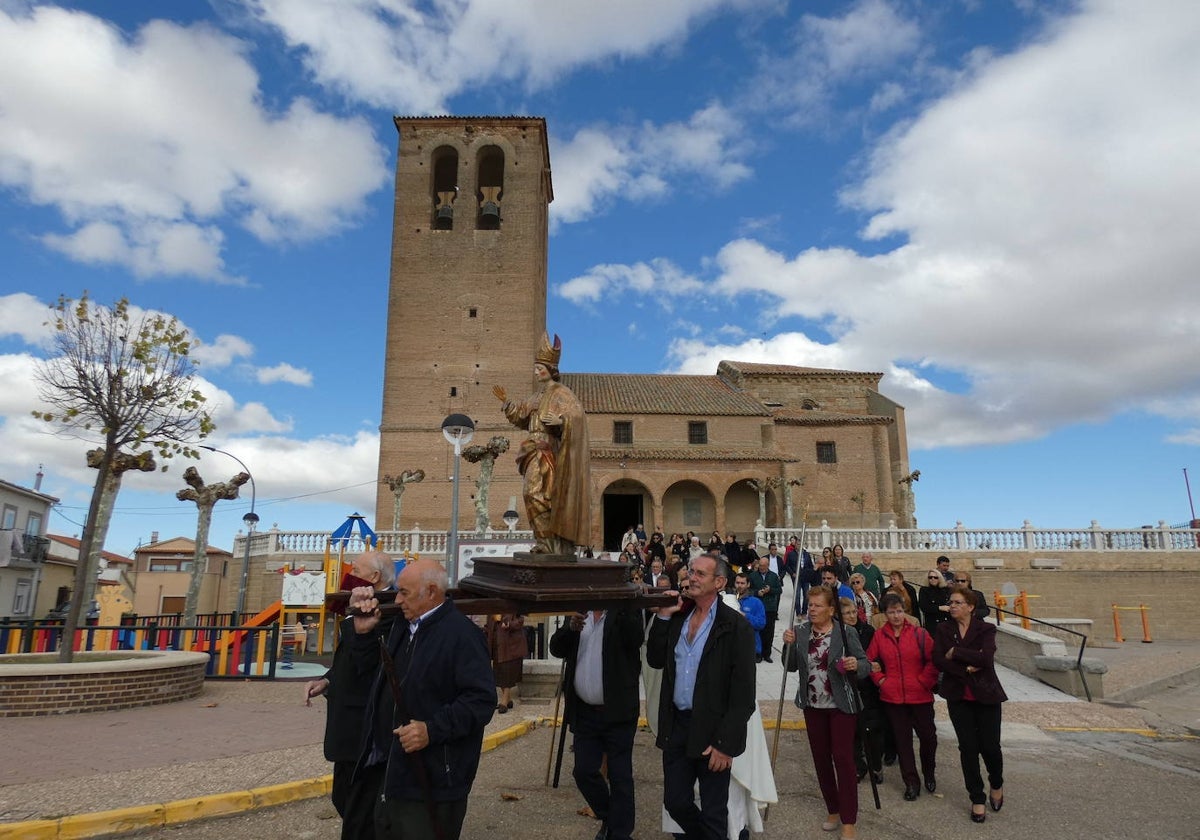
(74, 543)
(800, 417)
(175, 545)
(656, 393)
(692, 453)
(788, 370)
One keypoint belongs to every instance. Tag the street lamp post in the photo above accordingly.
(458, 429)
(250, 520)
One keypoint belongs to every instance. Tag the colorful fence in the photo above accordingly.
(234, 652)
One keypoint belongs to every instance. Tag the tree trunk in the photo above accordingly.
(483, 484)
(108, 500)
(199, 560)
(83, 566)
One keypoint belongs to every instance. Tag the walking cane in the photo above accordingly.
(857, 702)
(558, 692)
(787, 649)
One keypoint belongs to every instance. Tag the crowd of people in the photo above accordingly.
(871, 651)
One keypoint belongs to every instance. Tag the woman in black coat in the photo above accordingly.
(932, 600)
(965, 651)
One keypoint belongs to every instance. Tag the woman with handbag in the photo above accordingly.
(828, 662)
(965, 652)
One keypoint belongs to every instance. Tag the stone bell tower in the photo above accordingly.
(466, 302)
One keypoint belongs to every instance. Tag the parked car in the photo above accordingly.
(59, 613)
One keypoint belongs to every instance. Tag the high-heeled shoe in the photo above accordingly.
(978, 816)
(996, 804)
(831, 823)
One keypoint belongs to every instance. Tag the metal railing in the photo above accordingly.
(234, 652)
(1082, 644)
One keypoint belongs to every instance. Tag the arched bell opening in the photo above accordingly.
(444, 187)
(490, 191)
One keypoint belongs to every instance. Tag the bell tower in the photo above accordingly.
(466, 302)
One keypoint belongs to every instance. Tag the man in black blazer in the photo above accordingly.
(706, 652)
(346, 690)
(602, 650)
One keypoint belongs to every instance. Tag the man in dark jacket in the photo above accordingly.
(706, 652)
(346, 689)
(767, 585)
(429, 740)
(603, 655)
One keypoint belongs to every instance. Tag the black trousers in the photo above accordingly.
(680, 774)
(355, 800)
(767, 634)
(611, 800)
(408, 819)
(977, 726)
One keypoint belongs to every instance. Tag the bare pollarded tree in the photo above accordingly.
(206, 497)
(123, 379)
(484, 454)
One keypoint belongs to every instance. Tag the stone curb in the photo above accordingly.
(158, 815)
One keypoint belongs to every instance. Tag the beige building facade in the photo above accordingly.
(466, 308)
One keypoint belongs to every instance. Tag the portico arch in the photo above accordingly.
(689, 505)
(624, 502)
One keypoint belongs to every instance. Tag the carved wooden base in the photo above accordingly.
(543, 578)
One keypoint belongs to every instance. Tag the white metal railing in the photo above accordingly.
(415, 541)
(1162, 537)
(892, 539)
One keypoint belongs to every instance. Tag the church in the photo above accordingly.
(467, 309)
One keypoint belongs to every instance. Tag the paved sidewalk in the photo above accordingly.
(246, 735)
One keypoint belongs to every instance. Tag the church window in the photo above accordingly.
(453, 391)
(490, 180)
(697, 431)
(826, 452)
(623, 431)
(473, 313)
(444, 187)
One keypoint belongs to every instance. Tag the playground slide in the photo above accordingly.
(265, 617)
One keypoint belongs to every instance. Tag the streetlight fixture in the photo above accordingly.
(458, 429)
(510, 516)
(250, 520)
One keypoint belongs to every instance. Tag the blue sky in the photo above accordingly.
(992, 203)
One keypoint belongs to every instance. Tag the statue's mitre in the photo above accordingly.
(547, 353)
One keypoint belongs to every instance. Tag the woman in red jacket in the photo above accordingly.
(902, 666)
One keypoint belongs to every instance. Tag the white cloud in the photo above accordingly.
(283, 372)
(659, 277)
(25, 317)
(412, 58)
(1047, 206)
(647, 161)
(177, 142)
(222, 351)
(873, 42)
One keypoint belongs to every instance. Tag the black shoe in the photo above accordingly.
(877, 777)
(602, 834)
(758, 660)
(744, 834)
(911, 792)
(930, 783)
(889, 760)
(996, 804)
(862, 774)
(768, 659)
(978, 818)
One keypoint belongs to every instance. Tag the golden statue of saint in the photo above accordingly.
(554, 459)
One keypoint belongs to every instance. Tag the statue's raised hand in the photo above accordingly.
(500, 393)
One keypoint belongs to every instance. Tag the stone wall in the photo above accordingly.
(28, 690)
(1087, 585)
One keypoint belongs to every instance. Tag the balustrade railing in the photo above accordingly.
(1027, 538)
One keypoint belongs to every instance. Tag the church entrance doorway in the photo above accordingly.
(620, 511)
